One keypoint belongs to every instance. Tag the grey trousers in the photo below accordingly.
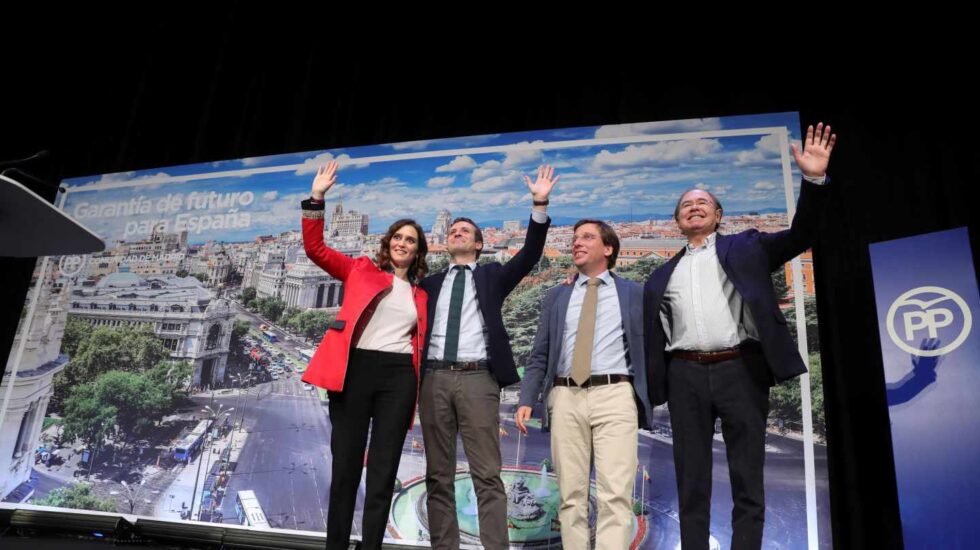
(468, 403)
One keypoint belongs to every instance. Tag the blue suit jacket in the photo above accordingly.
(748, 259)
(494, 281)
(543, 363)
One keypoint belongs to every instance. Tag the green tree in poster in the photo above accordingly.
(124, 348)
(76, 331)
(174, 376)
(288, 314)
(87, 418)
(139, 401)
(78, 497)
(311, 323)
(126, 403)
(785, 401)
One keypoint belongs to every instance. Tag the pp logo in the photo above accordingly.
(936, 309)
(71, 265)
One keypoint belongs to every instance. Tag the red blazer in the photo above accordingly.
(364, 286)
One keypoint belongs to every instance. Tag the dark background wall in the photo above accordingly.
(161, 90)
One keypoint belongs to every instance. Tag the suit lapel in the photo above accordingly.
(723, 243)
(623, 291)
(477, 280)
(559, 314)
(662, 275)
(436, 287)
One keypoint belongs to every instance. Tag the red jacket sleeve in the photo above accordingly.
(336, 264)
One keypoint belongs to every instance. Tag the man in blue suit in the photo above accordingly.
(587, 361)
(467, 360)
(717, 340)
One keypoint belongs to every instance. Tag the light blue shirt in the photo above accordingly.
(609, 342)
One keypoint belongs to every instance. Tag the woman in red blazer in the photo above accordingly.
(369, 363)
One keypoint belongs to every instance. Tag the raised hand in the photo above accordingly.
(816, 150)
(541, 188)
(326, 176)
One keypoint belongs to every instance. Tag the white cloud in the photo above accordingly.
(311, 165)
(128, 177)
(286, 208)
(497, 182)
(762, 191)
(663, 127)
(524, 157)
(668, 151)
(616, 201)
(387, 180)
(441, 181)
(766, 150)
(768, 143)
(573, 197)
(503, 199)
(464, 162)
(486, 170)
(717, 189)
(270, 195)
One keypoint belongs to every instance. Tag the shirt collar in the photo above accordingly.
(709, 242)
(605, 277)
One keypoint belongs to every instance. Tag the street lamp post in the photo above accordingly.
(131, 494)
(241, 379)
(241, 422)
(95, 453)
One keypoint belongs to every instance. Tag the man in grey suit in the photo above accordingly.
(588, 359)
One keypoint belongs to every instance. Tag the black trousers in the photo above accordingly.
(380, 389)
(737, 391)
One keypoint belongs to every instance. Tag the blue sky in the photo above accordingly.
(610, 170)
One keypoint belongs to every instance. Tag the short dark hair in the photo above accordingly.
(608, 236)
(677, 207)
(476, 232)
(419, 267)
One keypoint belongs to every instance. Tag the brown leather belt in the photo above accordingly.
(594, 380)
(709, 357)
(438, 364)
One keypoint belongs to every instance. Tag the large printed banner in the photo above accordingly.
(171, 361)
(926, 295)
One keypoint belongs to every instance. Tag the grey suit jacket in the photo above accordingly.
(539, 375)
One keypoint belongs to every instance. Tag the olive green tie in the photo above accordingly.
(582, 353)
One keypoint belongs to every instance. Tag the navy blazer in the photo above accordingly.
(494, 281)
(545, 354)
(748, 259)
